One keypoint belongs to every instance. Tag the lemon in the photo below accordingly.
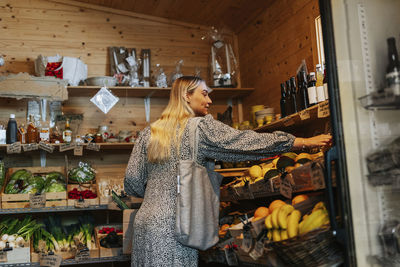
(255, 171)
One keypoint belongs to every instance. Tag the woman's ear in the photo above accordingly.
(187, 97)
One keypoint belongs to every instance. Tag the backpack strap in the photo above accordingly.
(194, 136)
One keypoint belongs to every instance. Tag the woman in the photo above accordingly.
(153, 166)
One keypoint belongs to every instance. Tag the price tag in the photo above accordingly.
(304, 114)
(93, 146)
(30, 147)
(317, 177)
(3, 256)
(81, 203)
(230, 256)
(37, 201)
(65, 147)
(82, 255)
(14, 148)
(46, 147)
(258, 250)
(286, 188)
(50, 260)
(78, 150)
(247, 242)
(288, 121)
(323, 110)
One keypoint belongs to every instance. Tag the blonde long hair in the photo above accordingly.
(175, 116)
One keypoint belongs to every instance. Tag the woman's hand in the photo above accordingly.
(315, 141)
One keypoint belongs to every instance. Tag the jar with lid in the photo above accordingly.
(98, 138)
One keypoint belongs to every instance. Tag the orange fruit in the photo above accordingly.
(261, 212)
(225, 227)
(298, 199)
(275, 204)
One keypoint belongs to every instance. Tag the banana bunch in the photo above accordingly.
(318, 217)
(283, 223)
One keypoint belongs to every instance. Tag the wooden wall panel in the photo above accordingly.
(272, 46)
(29, 28)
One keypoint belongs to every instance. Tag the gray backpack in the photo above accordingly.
(197, 210)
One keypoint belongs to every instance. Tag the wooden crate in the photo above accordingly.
(110, 176)
(92, 187)
(107, 252)
(53, 199)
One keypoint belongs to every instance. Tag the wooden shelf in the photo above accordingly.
(309, 115)
(217, 93)
(232, 172)
(103, 146)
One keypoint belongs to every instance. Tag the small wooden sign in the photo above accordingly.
(14, 148)
(323, 110)
(46, 147)
(286, 188)
(93, 146)
(3, 256)
(50, 260)
(78, 150)
(317, 177)
(82, 255)
(304, 114)
(67, 146)
(37, 201)
(288, 121)
(81, 203)
(30, 147)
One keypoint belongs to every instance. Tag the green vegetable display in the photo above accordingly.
(2, 174)
(82, 174)
(24, 182)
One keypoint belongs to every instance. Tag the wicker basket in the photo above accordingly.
(316, 248)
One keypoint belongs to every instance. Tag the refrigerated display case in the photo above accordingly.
(355, 33)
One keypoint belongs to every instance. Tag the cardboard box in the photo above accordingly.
(127, 228)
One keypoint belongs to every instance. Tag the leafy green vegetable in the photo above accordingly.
(82, 174)
(55, 187)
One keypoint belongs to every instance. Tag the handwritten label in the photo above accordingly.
(288, 121)
(67, 146)
(37, 201)
(82, 255)
(93, 146)
(304, 114)
(231, 257)
(317, 177)
(14, 148)
(286, 188)
(258, 250)
(81, 203)
(323, 110)
(78, 150)
(30, 147)
(46, 147)
(247, 242)
(3, 256)
(50, 260)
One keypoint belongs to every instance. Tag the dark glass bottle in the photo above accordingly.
(283, 100)
(393, 68)
(312, 90)
(303, 93)
(294, 94)
(11, 133)
(289, 108)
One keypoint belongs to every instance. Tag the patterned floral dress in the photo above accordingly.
(154, 244)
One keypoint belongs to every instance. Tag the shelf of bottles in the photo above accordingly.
(101, 146)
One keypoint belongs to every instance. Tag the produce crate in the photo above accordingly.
(243, 192)
(81, 187)
(65, 255)
(53, 199)
(108, 252)
(261, 188)
(310, 176)
(19, 255)
(110, 177)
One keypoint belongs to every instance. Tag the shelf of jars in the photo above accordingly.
(217, 93)
(311, 114)
(66, 147)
